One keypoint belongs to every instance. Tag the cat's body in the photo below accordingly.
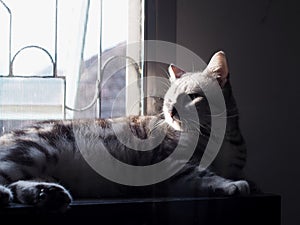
(38, 164)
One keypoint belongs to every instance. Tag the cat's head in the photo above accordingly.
(186, 91)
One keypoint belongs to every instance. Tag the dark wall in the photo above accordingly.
(261, 40)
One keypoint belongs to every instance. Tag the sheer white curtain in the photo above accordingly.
(79, 38)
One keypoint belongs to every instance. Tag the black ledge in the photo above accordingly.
(257, 209)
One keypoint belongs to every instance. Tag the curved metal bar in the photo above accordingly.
(10, 29)
(99, 82)
(31, 46)
(5, 6)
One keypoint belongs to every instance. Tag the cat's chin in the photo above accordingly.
(177, 125)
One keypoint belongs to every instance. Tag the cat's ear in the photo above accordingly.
(219, 67)
(175, 72)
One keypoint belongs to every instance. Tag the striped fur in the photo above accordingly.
(43, 164)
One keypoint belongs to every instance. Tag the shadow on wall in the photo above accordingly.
(261, 41)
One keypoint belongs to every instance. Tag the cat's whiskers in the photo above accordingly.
(219, 114)
(197, 123)
(228, 117)
(223, 117)
(192, 125)
(164, 71)
(158, 123)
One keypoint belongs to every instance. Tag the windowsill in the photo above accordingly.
(256, 209)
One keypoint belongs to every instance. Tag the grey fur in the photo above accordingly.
(42, 164)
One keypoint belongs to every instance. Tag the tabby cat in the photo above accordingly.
(43, 164)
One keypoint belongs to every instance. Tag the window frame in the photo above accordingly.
(160, 24)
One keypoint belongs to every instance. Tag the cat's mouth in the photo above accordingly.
(172, 117)
(176, 122)
(174, 114)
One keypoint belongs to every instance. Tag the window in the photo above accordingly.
(52, 53)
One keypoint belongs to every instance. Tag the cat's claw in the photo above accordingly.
(240, 187)
(42, 195)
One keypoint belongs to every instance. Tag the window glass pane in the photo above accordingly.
(4, 39)
(113, 43)
(35, 98)
(81, 45)
(72, 17)
(115, 18)
(33, 23)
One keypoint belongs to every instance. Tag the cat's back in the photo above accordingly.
(55, 148)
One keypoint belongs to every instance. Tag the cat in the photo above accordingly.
(43, 164)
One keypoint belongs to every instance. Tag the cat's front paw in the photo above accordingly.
(5, 196)
(240, 187)
(52, 196)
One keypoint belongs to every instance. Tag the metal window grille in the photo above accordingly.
(17, 99)
(48, 101)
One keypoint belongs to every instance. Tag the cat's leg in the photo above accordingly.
(232, 156)
(217, 185)
(228, 187)
(202, 182)
(42, 194)
(6, 195)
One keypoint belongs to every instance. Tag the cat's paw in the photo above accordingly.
(52, 196)
(5, 196)
(240, 187)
